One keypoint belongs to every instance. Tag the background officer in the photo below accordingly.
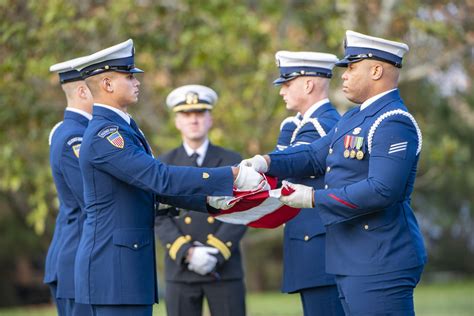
(373, 241)
(115, 263)
(304, 80)
(202, 255)
(65, 142)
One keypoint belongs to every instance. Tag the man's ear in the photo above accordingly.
(82, 91)
(107, 84)
(377, 71)
(308, 86)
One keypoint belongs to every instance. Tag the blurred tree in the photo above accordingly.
(230, 46)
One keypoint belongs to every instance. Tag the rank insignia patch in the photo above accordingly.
(76, 148)
(116, 139)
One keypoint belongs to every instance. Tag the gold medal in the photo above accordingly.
(347, 142)
(360, 155)
(346, 153)
(353, 154)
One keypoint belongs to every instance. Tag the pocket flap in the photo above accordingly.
(132, 238)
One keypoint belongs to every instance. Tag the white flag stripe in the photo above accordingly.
(253, 214)
(396, 150)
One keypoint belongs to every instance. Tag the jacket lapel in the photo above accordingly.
(211, 159)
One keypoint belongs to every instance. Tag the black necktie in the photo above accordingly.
(194, 157)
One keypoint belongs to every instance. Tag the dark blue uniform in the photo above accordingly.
(371, 231)
(304, 269)
(65, 141)
(115, 263)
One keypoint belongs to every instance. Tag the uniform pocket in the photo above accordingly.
(134, 239)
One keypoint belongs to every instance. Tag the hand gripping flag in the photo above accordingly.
(259, 208)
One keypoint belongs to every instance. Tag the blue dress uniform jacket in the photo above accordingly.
(115, 263)
(66, 140)
(371, 228)
(304, 235)
(178, 233)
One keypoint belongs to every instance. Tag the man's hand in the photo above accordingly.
(248, 179)
(258, 163)
(219, 202)
(201, 259)
(302, 197)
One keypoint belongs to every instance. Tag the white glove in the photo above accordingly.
(219, 202)
(202, 260)
(302, 197)
(248, 179)
(257, 162)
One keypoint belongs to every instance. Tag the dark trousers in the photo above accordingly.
(379, 295)
(225, 298)
(77, 309)
(59, 302)
(321, 301)
(122, 310)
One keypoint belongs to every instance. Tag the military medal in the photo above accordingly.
(347, 141)
(358, 145)
(352, 146)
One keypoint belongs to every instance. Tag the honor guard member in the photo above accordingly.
(373, 242)
(202, 254)
(304, 86)
(65, 142)
(115, 263)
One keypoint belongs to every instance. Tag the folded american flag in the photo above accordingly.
(259, 208)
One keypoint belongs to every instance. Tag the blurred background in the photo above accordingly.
(230, 46)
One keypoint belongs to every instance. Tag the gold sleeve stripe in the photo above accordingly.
(176, 245)
(217, 243)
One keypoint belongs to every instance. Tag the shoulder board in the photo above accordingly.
(52, 132)
(73, 140)
(386, 115)
(107, 131)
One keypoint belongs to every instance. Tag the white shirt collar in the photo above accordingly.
(81, 112)
(371, 100)
(314, 107)
(201, 151)
(122, 114)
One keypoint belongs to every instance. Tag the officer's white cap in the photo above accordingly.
(359, 46)
(66, 72)
(295, 64)
(190, 98)
(120, 58)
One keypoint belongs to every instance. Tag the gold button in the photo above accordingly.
(188, 220)
(366, 226)
(328, 169)
(188, 237)
(210, 219)
(168, 246)
(326, 186)
(330, 150)
(306, 238)
(205, 175)
(135, 246)
(228, 244)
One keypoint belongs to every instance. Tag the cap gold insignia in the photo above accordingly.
(192, 98)
(356, 131)
(205, 175)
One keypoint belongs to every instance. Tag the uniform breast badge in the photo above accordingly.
(358, 145)
(352, 146)
(347, 142)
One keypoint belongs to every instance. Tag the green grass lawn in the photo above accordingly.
(447, 299)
